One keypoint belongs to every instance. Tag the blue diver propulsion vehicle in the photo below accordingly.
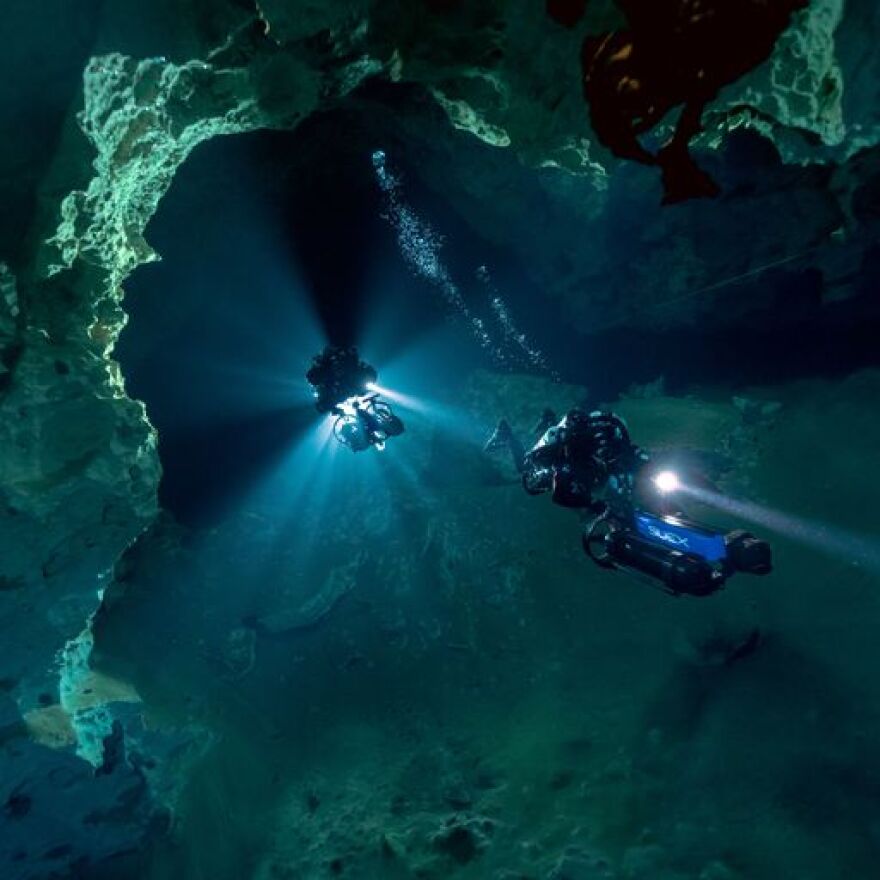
(684, 557)
(344, 388)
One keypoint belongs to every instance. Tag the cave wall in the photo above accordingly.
(79, 464)
(502, 72)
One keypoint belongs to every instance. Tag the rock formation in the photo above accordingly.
(79, 467)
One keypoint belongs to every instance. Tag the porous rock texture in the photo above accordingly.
(79, 467)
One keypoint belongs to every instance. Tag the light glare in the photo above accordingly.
(667, 481)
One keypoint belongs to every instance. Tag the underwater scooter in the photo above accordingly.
(365, 422)
(343, 386)
(684, 557)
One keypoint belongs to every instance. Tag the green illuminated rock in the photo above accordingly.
(79, 468)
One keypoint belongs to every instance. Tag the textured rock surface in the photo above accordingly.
(485, 703)
(70, 433)
(79, 469)
(60, 816)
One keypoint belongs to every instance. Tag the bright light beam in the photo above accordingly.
(417, 371)
(443, 417)
(858, 550)
(667, 481)
(427, 416)
(404, 400)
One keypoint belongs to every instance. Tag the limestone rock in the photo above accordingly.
(313, 608)
(579, 865)
(462, 840)
(79, 467)
(58, 815)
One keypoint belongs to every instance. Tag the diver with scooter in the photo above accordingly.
(587, 462)
(343, 387)
(365, 422)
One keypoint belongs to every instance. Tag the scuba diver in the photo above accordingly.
(342, 384)
(573, 458)
(338, 374)
(587, 462)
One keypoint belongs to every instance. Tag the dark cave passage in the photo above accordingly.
(795, 337)
(263, 263)
(274, 244)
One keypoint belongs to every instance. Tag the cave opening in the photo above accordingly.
(274, 244)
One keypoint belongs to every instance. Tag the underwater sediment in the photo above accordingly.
(405, 667)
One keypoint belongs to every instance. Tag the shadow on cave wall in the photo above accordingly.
(796, 336)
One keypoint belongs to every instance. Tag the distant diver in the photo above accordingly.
(338, 374)
(366, 422)
(343, 387)
(587, 462)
